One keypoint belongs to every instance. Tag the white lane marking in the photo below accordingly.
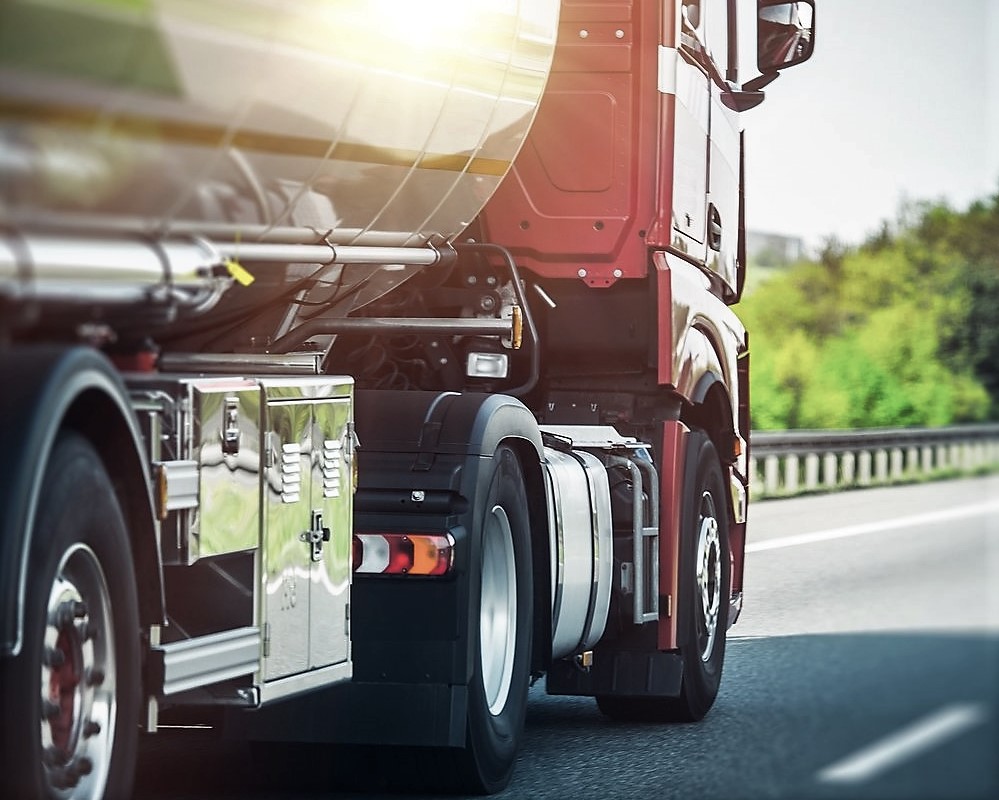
(907, 743)
(864, 528)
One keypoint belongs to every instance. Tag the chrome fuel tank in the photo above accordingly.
(373, 122)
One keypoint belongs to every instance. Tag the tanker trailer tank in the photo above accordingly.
(274, 136)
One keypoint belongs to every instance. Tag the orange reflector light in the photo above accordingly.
(517, 337)
(403, 553)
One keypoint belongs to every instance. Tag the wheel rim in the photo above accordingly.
(498, 609)
(709, 575)
(78, 678)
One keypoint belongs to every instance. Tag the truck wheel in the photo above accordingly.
(497, 694)
(71, 697)
(705, 578)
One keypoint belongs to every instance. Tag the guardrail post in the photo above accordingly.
(829, 470)
(791, 466)
(864, 468)
(771, 479)
(812, 471)
(941, 459)
(849, 469)
(954, 456)
(912, 462)
(927, 460)
(897, 467)
(881, 466)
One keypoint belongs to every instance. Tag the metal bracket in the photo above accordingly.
(230, 426)
(316, 536)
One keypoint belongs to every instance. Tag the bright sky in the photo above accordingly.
(900, 101)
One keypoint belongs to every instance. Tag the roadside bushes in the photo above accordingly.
(902, 330)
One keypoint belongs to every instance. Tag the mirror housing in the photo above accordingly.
(785, 37)
(784, 34)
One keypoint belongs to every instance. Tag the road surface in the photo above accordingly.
(865, 665)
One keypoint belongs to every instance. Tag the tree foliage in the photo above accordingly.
(901, 330)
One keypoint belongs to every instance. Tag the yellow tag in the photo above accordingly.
(239, 273)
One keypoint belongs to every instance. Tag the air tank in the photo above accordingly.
(363, 122)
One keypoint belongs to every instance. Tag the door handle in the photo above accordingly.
(714, 228)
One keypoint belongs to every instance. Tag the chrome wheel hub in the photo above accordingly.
(709, 575)
(498, 609)
(78, 678)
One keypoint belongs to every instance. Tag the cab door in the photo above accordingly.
(691, 132)
(724, 150)
(706, 156)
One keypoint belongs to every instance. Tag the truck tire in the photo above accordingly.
(497, 694)
(705, 578)
(71, 697)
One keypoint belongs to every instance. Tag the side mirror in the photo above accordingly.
(784, 34)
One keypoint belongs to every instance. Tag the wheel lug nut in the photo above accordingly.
(50, 756)
(54, 658)
(84, 766)
(60, 779)
(69, 611)
(95, 676)
(66, 778)
(91, 729)
(88, 631)
(50, 710)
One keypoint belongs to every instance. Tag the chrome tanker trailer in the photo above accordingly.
(364, 361)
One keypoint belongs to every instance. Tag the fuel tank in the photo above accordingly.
(371, 122)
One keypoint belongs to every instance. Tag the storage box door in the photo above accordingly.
(331, 502)
(287, 563)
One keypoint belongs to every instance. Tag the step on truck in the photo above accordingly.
(362, 363)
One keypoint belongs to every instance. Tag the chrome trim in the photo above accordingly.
(225, 441)
(123, 271)
(243, 363)
(303, 682)
(204, 660)
(181, 479)
(734, 608)
(592, 436)
(740, 498)
(486, 326)
(582, 542)
(645, 538)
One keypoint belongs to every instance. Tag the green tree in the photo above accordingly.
(902, 330)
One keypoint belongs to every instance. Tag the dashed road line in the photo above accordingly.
(922, 735)
(865, 528)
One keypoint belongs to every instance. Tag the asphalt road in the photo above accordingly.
(865, 665)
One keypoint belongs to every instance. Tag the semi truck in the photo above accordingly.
(364, 362)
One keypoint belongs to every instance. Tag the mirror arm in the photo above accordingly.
(759, 82)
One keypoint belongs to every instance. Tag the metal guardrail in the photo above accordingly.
(784, 463)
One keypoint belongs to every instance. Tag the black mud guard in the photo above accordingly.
(424, 463)
(46, 388)
(416, 631)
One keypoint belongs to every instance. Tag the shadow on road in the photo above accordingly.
(789, 707)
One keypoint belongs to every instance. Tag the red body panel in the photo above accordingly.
(671, 499)
(591, 190)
